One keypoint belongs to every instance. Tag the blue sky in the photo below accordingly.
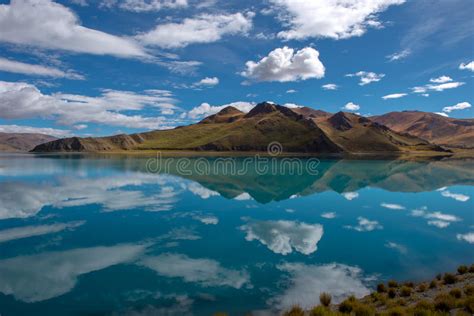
(84, 67)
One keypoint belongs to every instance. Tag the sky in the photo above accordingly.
(102, 67)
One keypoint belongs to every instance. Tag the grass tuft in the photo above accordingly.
(325, 299)
(449, 278)
(405, 291)
(463, 269)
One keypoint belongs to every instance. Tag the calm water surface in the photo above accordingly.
(82, 235)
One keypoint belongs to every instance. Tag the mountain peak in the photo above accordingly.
(226, 115)
(270, 107)
(344, 121)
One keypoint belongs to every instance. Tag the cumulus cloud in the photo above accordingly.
(351, 107)
(145, 5)
(394, 96)
(243, 197)
(39, 230)
(350, 195)
(365, 225)
(206, 272)
(205, 109)
(437, 87)
(23, 200)
(456, 107)
(328, 18)
(393, 245)
(50, 25)
(441, 79)
(393, 206)
(438, 219)
(201, 191)
(208, 81)
(284, 65)
(468, 66)
(35, 130)
(305, 282)
(366, 77)
(468, 237)
(330, 86)
(283, 237)
(21, 100)
(8, 65)
(329, 215)
(399, 55)
(206, 28)
(32, 279)
(456, 196)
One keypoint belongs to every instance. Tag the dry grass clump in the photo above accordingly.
(392, 284)
(405, 291)
(325, 299)
(295, 311)
(449, 278)
(463, 269)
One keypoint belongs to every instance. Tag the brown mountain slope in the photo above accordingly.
(22, 141)
(232, 130)
(430, 126)
(309, 113)
(227, 130)
(357, 134)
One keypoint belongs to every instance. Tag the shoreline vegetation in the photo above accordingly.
(446, 294)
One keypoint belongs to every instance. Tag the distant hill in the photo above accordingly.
(435, 128)
(11, 142)
(300, 130)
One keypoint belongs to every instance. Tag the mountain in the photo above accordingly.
(228, 130)
(357, 134)
(12, 142)
(435, 128)
(298, 130)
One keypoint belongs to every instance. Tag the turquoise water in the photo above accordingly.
(83, 235)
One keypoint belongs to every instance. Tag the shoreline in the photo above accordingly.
(446, 294)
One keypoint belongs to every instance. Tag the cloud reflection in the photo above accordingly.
(283, 237)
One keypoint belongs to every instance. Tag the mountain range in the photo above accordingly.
(298, 130)
(13, 142)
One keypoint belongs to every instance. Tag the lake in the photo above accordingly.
(122, 235)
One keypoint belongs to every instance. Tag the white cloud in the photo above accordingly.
(201, 191)
(456, 196)
(394, 96)
(393, 206)
(350, 195)
(442, 79)
(208, 81)
(283, 237)
(284, 65)
(32, 278)
(438, 219)
(206, 272)
(351, 107)
(291, 91)
(439, 223)
(330, 86)
(145, 5)
(35, 130)
(366, 77)
(205, 28)
(207, 219)
(468, 237)
(305, 282)
(50, 25)
(243, 197)
(437, 87)
(21, 100)
(36, 70)
(468, 66)
(459, 106)
(23, 200)
(329, 18)
(33, 231)
(398, 247)
(329, 215)
(365, 225)
(399, 55)
(205, 109)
